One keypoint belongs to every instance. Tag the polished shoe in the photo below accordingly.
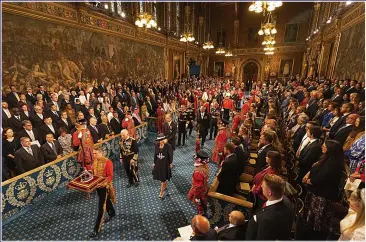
(108, 218)
(93, 234)
(128, 185)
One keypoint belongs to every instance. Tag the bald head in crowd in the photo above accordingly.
(236, 218)
(200, 225)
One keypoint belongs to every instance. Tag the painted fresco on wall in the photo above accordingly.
(286, 66)
(350, 61)
(291, 32)
(253, 37)
(36, 52)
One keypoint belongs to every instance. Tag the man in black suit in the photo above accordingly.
(312, 105)
(52, 149)
(346, 110)
(37, 117)
(170, 130)
(241, 155)
(33, 134)
(274, 220)
(44, 93)
(28, 157)
(300, 132)
(345, 130)
(53, 113)
(94, 130)
(6, 114)
(25, 114)
(322, 112)
(13, 97)
(49, 128)
(228, 176)
(149, 106)
(235, 230)
(30, 96)
(337, 97)
(203, 122)
(15, 122)
(265, 145)
(102, 87)
(65, 122)
(134, 101)
(201, 229)
(352, 87)
(311, 152)
(116, 123)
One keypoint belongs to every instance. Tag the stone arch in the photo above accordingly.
(253, 64)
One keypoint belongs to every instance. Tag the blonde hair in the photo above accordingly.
(359, 196)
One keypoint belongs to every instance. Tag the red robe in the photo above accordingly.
(236, 123)
(130, 126)
(228, 104)
(160, 113)
(244, 110)
(86, 146)
(199, 187)
(220, 141)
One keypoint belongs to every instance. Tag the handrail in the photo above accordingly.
(60, 159)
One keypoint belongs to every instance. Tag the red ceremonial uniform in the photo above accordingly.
(86, 146)
(245, 110)
(228, 104)
(236, 122)
(130, 126)
(220, 141)
(199, 187)
(160, 113)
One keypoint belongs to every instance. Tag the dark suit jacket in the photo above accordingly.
(96, 135)
(261, 160)
(312, 109)
(351, 90)
(36, 120)
(308, 156)
(170, 132)
(15, 124)
(25, 161)
(242, 159)
(38, 135)
(342, 134)
(211, 235)
(12, 100)
(116, 126)
(46, 130)
(54, 117)
(67, 126)
(228, 176)
(104, 129)
(204, 124)
(5, 119)
(272, 223)
(298, 135)
(233, 233)
(340, 122)
(23, 116)
(48, 153)
(337, 99)
(31, 98)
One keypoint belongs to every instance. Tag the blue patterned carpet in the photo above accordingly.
(141, 215)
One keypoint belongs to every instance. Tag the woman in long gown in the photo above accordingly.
(163, 159)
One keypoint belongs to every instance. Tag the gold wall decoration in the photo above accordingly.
(22, 192)
(49, 178)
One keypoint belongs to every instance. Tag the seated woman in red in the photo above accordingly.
(274, 167)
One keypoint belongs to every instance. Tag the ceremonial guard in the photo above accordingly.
(215, 113)
(83, 140)
(198, 192)
(220, 141)
(227, 105)
(182, 125)
(129, 124)
(129, 152)
(103, 167)
(236, 120)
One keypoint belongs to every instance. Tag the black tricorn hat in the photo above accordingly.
(160, 137)
(202, 155)
(82, 121)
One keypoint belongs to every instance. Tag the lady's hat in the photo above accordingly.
(202, 158)
(160, 137)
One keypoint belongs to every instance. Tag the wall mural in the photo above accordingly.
(36, 52)
(350, 61)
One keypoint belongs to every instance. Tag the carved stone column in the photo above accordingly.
(334, 55)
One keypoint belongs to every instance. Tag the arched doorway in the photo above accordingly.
(250, 74)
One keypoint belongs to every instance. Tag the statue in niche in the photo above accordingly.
(233, 70)
(286, 69)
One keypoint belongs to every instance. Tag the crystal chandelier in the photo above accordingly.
(221, 50)
(146, 20)
(187, 37)
(229, 52)
(264, 6)
(208, 44)
(269, 40)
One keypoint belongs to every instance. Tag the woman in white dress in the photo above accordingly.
(353, 225)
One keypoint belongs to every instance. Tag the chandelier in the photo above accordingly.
(208, 45)
(220, 49)
(269, 53)
(229, 52)
(264, 6)
(268, 27)
(146, 20)
(187, 37)
(269, 40)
